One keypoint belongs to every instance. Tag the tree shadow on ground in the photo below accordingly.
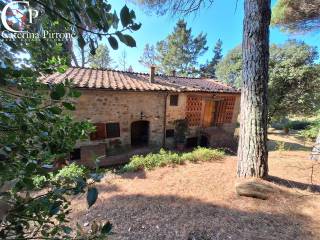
(287, 146)
(141, 174)
(294, 184)
(171, 217)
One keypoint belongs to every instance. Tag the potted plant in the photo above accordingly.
(181, 129)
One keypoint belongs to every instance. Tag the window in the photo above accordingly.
(100, 132)
(174, 100)
(169, 133)
(113, 130)
(75, 154)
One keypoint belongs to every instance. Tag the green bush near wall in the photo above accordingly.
(165, 158)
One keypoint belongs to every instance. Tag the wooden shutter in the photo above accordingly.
(100, 132)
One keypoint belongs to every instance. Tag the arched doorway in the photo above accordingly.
(139, 133)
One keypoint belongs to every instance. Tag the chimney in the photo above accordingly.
(173, 73)
(152, 73)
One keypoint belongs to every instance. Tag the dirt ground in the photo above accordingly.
(198, 201)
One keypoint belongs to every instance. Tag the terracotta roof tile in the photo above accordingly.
(120, 80)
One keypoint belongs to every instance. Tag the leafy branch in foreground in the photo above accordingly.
(35, 131)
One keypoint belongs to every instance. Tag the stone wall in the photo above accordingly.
(101, 106)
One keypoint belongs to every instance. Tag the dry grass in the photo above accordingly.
(197, 201)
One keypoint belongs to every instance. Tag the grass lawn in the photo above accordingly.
(198, 201)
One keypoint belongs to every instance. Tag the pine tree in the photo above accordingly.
(209, 69)
(180, 50)
(102, 58)
(148, 57)
(253, 153)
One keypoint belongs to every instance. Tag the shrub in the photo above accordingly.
(203, 154)
(291, 124)
(312, 131)
(164, 158)
(39, 181)
(299, 124)
(69, 173)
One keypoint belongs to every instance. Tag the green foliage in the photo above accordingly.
(293, 77)
(39, 181)
(229, 69)
(201, 154)
(89, 21)
(209, 69)
(296, 16)
(35, 130)
(102, 58)
(165, 158)
(180, 50)
(291, 124)
(299, 124)
(70, 173)
(313, 130)
(35, 127)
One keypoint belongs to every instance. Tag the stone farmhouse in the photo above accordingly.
(133, 111)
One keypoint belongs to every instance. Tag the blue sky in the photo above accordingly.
(222, 20)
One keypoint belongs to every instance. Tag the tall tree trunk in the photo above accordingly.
(253, 153)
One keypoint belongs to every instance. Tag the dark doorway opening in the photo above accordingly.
(204, 142)
(139, 133)
(192, 142)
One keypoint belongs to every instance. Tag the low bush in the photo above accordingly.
(201, 154)
(291, 124)
(71, 172)
(312, 131)
(67, 174)
(299, 124)
(165, 158)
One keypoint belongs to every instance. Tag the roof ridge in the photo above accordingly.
(169, 78)
(143, 73)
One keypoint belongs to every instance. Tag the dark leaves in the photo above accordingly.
(73, 93)
(69, 106)
(125, 16)
(58, 92)
(126, 39)
(106, 228)
(92, 196)
(55, 110)
(135, 26)
(113, 42)
(129, 41)
(81, 41)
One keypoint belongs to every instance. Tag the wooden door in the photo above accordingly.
(208, 115)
